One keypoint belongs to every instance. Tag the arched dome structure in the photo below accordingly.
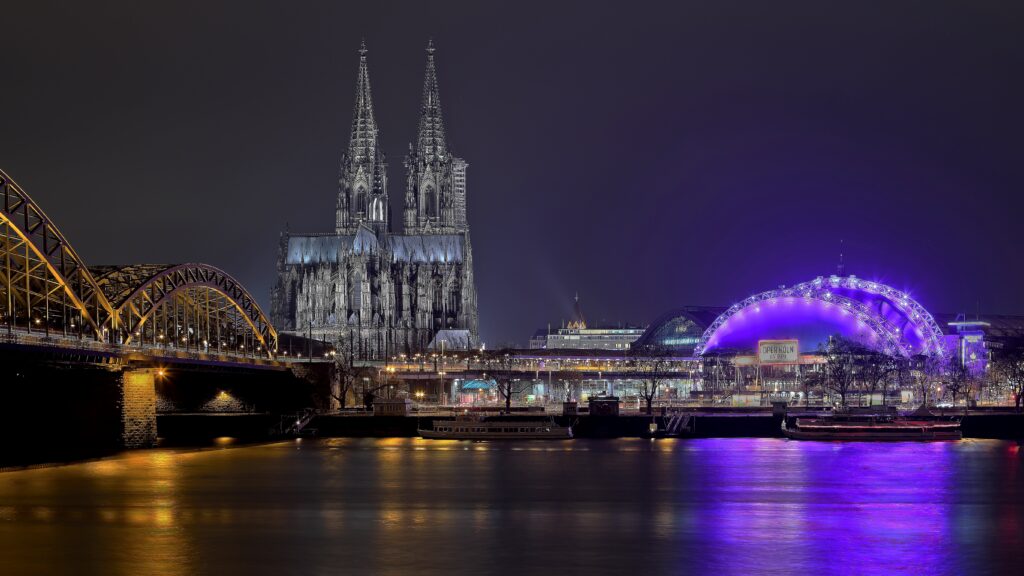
(677, 331)
(872, 314)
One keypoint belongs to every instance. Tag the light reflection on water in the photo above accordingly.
(398, 506)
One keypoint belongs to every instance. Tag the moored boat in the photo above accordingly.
(873, 429)
(473, 428)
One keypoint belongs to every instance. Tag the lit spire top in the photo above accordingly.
(363, 141)
(431, 140)
(578, 322)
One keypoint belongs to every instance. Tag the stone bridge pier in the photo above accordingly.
(138, 407)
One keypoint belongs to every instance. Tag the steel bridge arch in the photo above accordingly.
(24, 226)
(42, 274)
(828, 290)
(139, 291)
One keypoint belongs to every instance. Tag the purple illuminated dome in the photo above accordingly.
(872, 314)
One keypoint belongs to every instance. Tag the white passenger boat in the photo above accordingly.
(478, 428)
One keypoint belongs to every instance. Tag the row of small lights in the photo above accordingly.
(183, 339)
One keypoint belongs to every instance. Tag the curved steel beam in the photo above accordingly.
(820, 289)
(47, 243)
(159, 288)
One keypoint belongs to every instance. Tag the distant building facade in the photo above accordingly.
(577, 335)
(585, 338)
(373, 292)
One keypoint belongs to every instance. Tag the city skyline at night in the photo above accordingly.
(511, 287)
(658, 152)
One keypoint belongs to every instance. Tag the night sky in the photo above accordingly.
(645, 156)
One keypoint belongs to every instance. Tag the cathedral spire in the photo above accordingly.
(431, 141)
(362, 179)
(435, 193)
(362, 144)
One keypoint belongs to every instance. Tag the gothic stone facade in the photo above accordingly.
(373, 292)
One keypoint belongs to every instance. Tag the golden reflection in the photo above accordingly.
(150, 507)
(666, 445)
(334, 519)
(392, 516)
(391, 443)
(163, 517)
(107, 467)
(42, 513)
(419, 517)
(137, 516)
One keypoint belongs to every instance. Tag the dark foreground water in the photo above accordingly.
(408, 506)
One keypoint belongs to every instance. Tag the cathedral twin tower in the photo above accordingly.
(435, 197)
(372, 292)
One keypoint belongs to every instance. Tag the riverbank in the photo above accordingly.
(194, 429)
(703, 424)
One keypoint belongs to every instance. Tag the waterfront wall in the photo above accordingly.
(627, 426)
(710, 425)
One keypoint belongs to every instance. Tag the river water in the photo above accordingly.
(410, 506)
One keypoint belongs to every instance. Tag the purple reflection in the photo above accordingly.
(777, 506)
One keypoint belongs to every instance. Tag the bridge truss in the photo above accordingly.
(47, 290)
(195, 306)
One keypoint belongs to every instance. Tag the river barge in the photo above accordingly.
(473, 428)
(873, 429)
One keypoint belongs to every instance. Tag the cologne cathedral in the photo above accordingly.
(373, 292)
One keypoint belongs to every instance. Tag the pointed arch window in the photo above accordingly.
(355, 292)
(430, 199)
(360, 200)
(438, 303)
(453, 301)
(377, 210)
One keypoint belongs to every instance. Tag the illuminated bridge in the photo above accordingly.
(50, 297)
(92, 351)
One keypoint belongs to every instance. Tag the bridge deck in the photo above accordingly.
(138, 353)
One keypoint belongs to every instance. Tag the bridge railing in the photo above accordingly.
(60, 341)
(680, 368)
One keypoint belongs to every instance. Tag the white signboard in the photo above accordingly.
(778, 351)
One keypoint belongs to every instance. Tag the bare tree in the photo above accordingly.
(347, 375)
(507, 385)
(652, 371)
(572, 384)
(840, 367)
(1008, 370)
(809, 380)
(957, 378)
(878, 371)
(718, 374)
(357, 381)
(929, 370)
